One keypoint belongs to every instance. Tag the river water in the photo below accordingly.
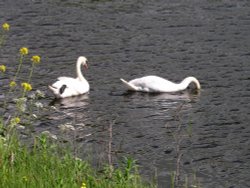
(204, 136)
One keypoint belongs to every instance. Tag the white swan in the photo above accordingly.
(67, 87)
(157, 84)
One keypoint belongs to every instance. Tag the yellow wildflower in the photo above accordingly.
(25, 178)
(12, 84)
(2, 68)
(35, 59)
(26, 86)
(24, 51)
(15, 121)
(6, 27)
(83, 185)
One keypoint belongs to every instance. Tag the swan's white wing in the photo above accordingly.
(67, 87)
(154, 84)
(76, 85)
(129, 86)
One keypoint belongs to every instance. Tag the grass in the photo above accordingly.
(45, 164)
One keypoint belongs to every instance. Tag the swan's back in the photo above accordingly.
(154, 84)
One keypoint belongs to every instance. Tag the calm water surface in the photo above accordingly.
(175, 38)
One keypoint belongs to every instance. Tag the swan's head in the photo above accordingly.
(197, 83)
(83, 61)
(192, 79)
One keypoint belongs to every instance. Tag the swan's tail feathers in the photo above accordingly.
(54, 90)
(129, 86)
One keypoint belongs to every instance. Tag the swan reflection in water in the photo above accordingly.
(187, 95)
(161, 105)
(71, 102)
(70, 109)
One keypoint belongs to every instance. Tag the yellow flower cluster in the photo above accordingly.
(36, 59)
(12, 84)
(2, 68)
(25, 178)
(15, 120)
(6, 27)
(26, 86)
(24, 51)
(83, 185)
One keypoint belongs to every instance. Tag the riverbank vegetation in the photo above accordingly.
(47, 165)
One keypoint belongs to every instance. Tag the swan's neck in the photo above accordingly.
(185, 83)
(78, 71)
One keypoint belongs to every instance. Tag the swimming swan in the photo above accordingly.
(156, 84)
(67, 87)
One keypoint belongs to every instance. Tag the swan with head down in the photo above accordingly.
(156, 84)
(67, 86)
